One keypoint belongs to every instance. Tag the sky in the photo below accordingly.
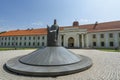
(24, 14)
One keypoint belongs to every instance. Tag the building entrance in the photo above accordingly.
(71, 42)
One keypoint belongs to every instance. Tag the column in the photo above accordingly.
(82, 40)
(64, 41)
(78, 41)
(87, 40)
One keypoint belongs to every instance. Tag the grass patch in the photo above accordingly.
(5, 49)
(109, 49)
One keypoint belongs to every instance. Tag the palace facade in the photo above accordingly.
(98, 35)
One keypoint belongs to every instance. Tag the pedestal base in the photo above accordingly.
(50, 61)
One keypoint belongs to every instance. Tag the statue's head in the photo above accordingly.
(54, 26)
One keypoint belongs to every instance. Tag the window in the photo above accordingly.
(102, 44)
(33, 38)
(12, 38)
(5, 43)
(62, 43)
(119, 43)
(111, 44)
(111, 35)
(2, 38)
(62, 37)
(9, 38)
(24, 38)
(42, 43)
(8, 43)
(20, 43)
(94, 43)
(16, 38)
(94, 36)
(29, 44)
(102, 35)
(12, 44)
(1, 44)
(33, 43)
(38, 38)
(43, 37)
(16, 43)
(24, 43)
(20, 38)
(29, 38)
(5, 38)
(38, 43)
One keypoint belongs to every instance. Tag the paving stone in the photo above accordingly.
(106, 66)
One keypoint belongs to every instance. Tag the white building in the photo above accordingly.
(98, 35)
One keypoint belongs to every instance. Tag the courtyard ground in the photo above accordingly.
(106, 66)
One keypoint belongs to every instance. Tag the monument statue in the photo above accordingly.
(52, 36)
(53, 60)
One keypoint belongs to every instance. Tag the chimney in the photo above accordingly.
(75, 23)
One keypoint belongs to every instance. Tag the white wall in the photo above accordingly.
(106, 39)
(88, 39)
(23, 41)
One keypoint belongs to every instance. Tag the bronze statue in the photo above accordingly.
(52, 36)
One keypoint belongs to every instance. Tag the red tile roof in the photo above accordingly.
(107, 26)
(41, 31)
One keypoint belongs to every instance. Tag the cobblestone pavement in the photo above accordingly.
(106, 66)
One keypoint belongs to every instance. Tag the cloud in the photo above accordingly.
(37, 24)
(84, 20)
(33, 25)
(2, 28)
(2, 20)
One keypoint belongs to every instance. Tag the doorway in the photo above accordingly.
(71, 42)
